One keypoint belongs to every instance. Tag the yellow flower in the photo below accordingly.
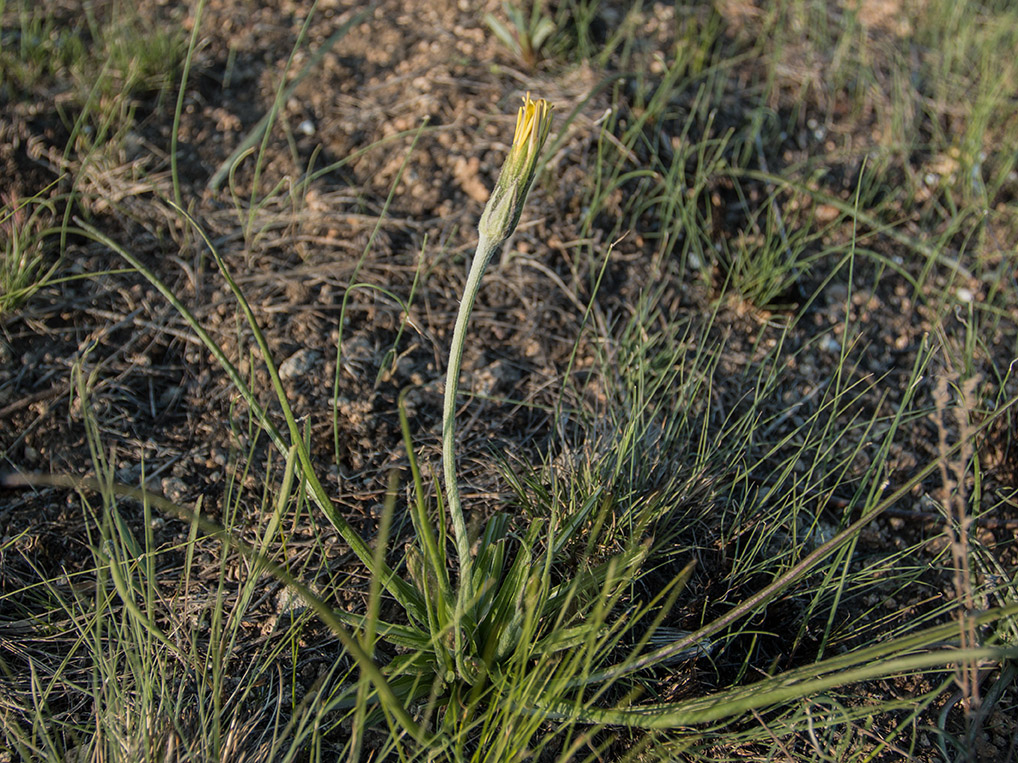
(502, 213)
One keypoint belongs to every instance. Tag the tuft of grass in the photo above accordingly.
(26, 227)
(107, 53)
(529, 31)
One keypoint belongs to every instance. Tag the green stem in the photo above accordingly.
(485, 249)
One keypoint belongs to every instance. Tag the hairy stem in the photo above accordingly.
(485, 249)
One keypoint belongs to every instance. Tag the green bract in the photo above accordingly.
(502, 213)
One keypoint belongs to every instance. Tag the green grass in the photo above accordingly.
(697, 558)
(104, 52)
(25, 225)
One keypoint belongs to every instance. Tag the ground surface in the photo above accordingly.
(374, 173)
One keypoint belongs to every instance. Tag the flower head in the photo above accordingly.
(502, 213)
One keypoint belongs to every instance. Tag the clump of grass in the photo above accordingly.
(765, 261)
(107, 53)
(105, 63)
(25, 228)
(157, 658)
(530, 31)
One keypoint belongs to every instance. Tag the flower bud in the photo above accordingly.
(502, 213)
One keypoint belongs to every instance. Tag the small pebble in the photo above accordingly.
(174, 488)
(830, 344)
(298, 364)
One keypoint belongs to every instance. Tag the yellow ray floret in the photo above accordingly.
(532, 115)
